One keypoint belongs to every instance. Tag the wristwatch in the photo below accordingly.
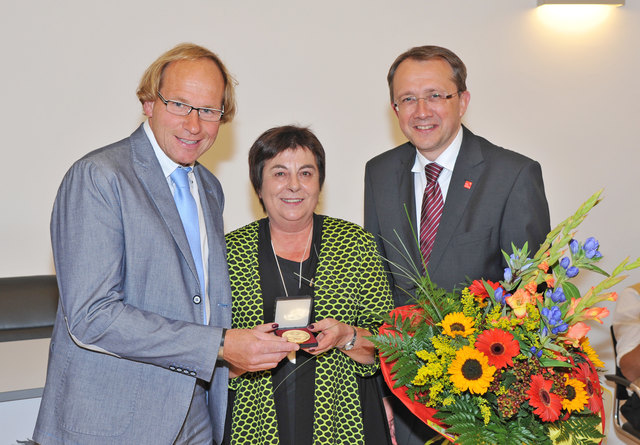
(221, 348)
(351, 343)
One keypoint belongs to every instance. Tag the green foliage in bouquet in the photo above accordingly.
(508, 362)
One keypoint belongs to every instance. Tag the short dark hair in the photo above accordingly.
(428, 52)
(276, 140)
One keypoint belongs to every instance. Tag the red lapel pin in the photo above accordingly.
(467, 184)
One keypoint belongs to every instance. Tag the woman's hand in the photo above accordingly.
(332, 333)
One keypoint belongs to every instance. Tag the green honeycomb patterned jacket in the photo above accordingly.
(350, 286)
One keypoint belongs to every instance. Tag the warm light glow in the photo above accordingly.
(581, 2)
(573, 18)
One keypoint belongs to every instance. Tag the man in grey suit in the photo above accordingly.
(490, 197)
(140, 352)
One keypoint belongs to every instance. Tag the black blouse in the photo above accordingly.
(293, 383)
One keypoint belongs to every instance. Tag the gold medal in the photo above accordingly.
(296, 336)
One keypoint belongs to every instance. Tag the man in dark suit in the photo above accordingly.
(140, 352)
(485, 197)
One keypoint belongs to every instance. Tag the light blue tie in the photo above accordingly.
(189, 215)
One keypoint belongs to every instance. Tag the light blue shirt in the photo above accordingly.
(168, 166)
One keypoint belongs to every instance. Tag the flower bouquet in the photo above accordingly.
(506, 362)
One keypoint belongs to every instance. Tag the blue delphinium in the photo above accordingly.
(574, 246)
(572, 271)
(526, 265)
(500, 295)
(590, 247)
(553, 316)
(508, 276)
(557, 295)
(535, 351)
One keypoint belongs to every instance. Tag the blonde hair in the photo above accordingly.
(152, 78)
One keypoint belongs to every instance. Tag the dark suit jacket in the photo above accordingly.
(504, 202)
(128, 343)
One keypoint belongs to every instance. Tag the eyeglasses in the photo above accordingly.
(182, 109)
(409, 103)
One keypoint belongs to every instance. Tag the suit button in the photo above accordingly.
(197, 299)
(185, 371)
(192, 373)
(173, 368)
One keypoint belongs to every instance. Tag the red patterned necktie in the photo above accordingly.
(432, 205)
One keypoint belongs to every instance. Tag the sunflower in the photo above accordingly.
(591, 353)
(471, 371)
(456, 323)
(547, 405)
(576, 395)
(499, 346)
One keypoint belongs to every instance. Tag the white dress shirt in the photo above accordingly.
(447, 160)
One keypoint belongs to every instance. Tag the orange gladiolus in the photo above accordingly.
(596, 313)
(518, 302)
(531, 287)
(576, 332)
(550, 280)
(573, 305)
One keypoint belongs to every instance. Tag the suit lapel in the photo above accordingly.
(467, 171)
(149, 172)
(212, 212)
(407, 198)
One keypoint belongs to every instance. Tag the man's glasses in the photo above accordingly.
(182, 109)
(410, 103)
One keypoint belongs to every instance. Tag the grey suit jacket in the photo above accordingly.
(127, 345)
(495, 197)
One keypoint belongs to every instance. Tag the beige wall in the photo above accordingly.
(568, 99)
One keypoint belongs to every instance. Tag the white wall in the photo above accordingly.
(570, 100)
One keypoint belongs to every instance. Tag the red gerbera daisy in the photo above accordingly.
(547, 405)
(477, 288)
(585, 374)
(499, 346)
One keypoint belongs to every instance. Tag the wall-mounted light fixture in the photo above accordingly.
(581, 2)
(576, 16)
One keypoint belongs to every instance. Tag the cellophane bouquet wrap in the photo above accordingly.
(507, 362)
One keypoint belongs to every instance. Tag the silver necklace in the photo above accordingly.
(304, 254)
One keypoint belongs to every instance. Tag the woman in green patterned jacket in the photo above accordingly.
(324, 395)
